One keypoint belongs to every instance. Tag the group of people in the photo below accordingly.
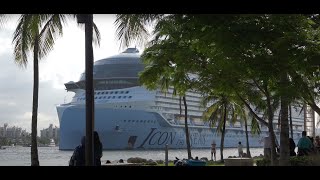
(78, 156)
(213, 150)
(306, 146)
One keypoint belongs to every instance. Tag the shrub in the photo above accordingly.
(295, 161)
(300, 161)
(263, 162)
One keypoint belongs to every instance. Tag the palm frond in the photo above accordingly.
(132, 27)
(164, 84)
(52, 28)
(96, 35)
(255, 127)
(23, 39)
(210, 111)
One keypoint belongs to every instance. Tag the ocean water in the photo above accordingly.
(52, 156)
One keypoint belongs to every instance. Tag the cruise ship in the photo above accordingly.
(128, 116)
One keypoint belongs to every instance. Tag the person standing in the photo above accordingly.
(304, 145)
(240, 149)
(317, 144)
(213, 150)
(78, 156)
(292, 146)
(97, 149)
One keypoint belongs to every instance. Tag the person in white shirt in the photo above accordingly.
(240, 149)
(267, 146)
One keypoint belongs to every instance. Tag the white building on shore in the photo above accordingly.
(50, 132)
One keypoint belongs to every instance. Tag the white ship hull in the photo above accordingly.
(127, 116)
(148, 131)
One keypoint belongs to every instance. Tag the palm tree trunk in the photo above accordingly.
(223, 132)
(284, 135)
(270, 127)
(89, 90)
(186, 127)
(247, 137)
(291, 127)
(34, 145)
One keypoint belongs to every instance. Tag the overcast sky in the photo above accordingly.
(65, 63)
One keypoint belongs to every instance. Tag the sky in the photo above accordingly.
(63, 64)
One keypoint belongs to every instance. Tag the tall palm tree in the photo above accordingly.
(186, 127)
(153, 79)
(87, 19)
(217, 113)
(35, 33)
(133, 27)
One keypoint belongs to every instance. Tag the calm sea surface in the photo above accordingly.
(52, 156)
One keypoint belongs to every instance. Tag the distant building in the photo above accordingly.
(50, 132)
(12, 132)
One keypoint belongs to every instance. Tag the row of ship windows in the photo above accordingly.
(141, 121)
(107, 97)
(111, 92)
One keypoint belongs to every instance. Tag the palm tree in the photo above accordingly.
(35, 33)
(186, 127)
(89, 26)
(153, 78)
(217, 113)
(38, 33)
(132, 27)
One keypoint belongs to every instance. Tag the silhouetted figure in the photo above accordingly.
(292, 146)
(317, 144)
(304, 145)
(313, 148)
(78, 156)
(97, 149)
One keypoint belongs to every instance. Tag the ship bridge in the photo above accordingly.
(115, 72)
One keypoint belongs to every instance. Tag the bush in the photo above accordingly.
(300, 161)
(295, 161)
(263, 162)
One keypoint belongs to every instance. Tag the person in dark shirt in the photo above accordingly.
(97, 149)
(304, 145)
(292, 146)
(78, 156)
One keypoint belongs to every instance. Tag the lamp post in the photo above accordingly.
(87, 19)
